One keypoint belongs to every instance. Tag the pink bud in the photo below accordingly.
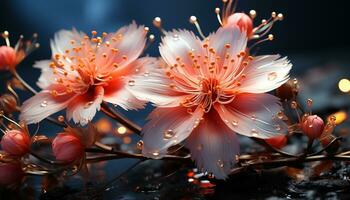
(7, 57)
(15, 142)
(277, 141)
(67, 148)
(243, 21)
(11, 173)
(312, 126)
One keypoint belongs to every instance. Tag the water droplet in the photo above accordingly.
(235, 123)
(60, 118)
(310, 126)
(168, 134)
(254, 133)
(253, 117)
(146, 74)
(277, 127)
(221, 163)
(294, 105)
(272, 76)
(43, 104)
(88, 104)
(280, 115)
(131, 82)
(139, 144)
(211, 175)
(155, 153)
(175, 37)
(295, 81)
(309, 102)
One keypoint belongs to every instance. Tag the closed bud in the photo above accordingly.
(10, 173)
(8, 103)
(15, 143)
(277, 142)
(288, 91)
(67, 148)
(7, 58)
(312, 126)
(243, 21)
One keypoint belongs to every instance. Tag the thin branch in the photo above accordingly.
(121, 119)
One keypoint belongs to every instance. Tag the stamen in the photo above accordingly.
(193, 20)
(157, 22)
(252, 14)
(217, 11)
(5, 35)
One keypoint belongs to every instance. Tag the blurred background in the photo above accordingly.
(313, 35)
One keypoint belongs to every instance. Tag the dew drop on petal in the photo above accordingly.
(131, 83)
(254, 133)
(43, 104)
(155, 153)
(272, 76)
(280, 115)
(60, 118)
(88, 104)
(235, 123)
(175, 37)
(277, 127)
(168, 134)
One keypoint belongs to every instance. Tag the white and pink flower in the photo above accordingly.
(85, 71)
(206, 92)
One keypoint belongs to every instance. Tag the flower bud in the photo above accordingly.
(8, 103)
(7, 57)
(15, 143)
(312, 126)
(243, 21)
(11, 173)
(67, 148)
(277, 142)
(287, 91)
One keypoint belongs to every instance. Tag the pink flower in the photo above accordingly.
(243, 21)
(11, 173)
(15, 142)
(67, 148)
(312, 126)
(206, 92)
(86, 71)
(11, 57)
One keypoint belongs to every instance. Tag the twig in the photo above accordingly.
(114, 115)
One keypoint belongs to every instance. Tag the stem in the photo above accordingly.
(121, 119)
(25, 84)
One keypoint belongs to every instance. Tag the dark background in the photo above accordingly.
(313, 34)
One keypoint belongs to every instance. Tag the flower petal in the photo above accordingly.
(129, 41)
(62, 38)
(265, 73)
(82, 108)
(151, 84)
(47, 77)
(44, 104)
(253, 115)
(168, 127)
(176, 47)
(232, 36)
(213, 146)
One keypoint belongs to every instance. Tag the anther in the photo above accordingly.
(157, 22)
(252, 14)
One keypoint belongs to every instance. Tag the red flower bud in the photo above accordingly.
(11, 173)
(7, 58)
(277, 141)
(243, 21)
(312, 126)
(8, 103)
(15, 142)
(67, 148)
